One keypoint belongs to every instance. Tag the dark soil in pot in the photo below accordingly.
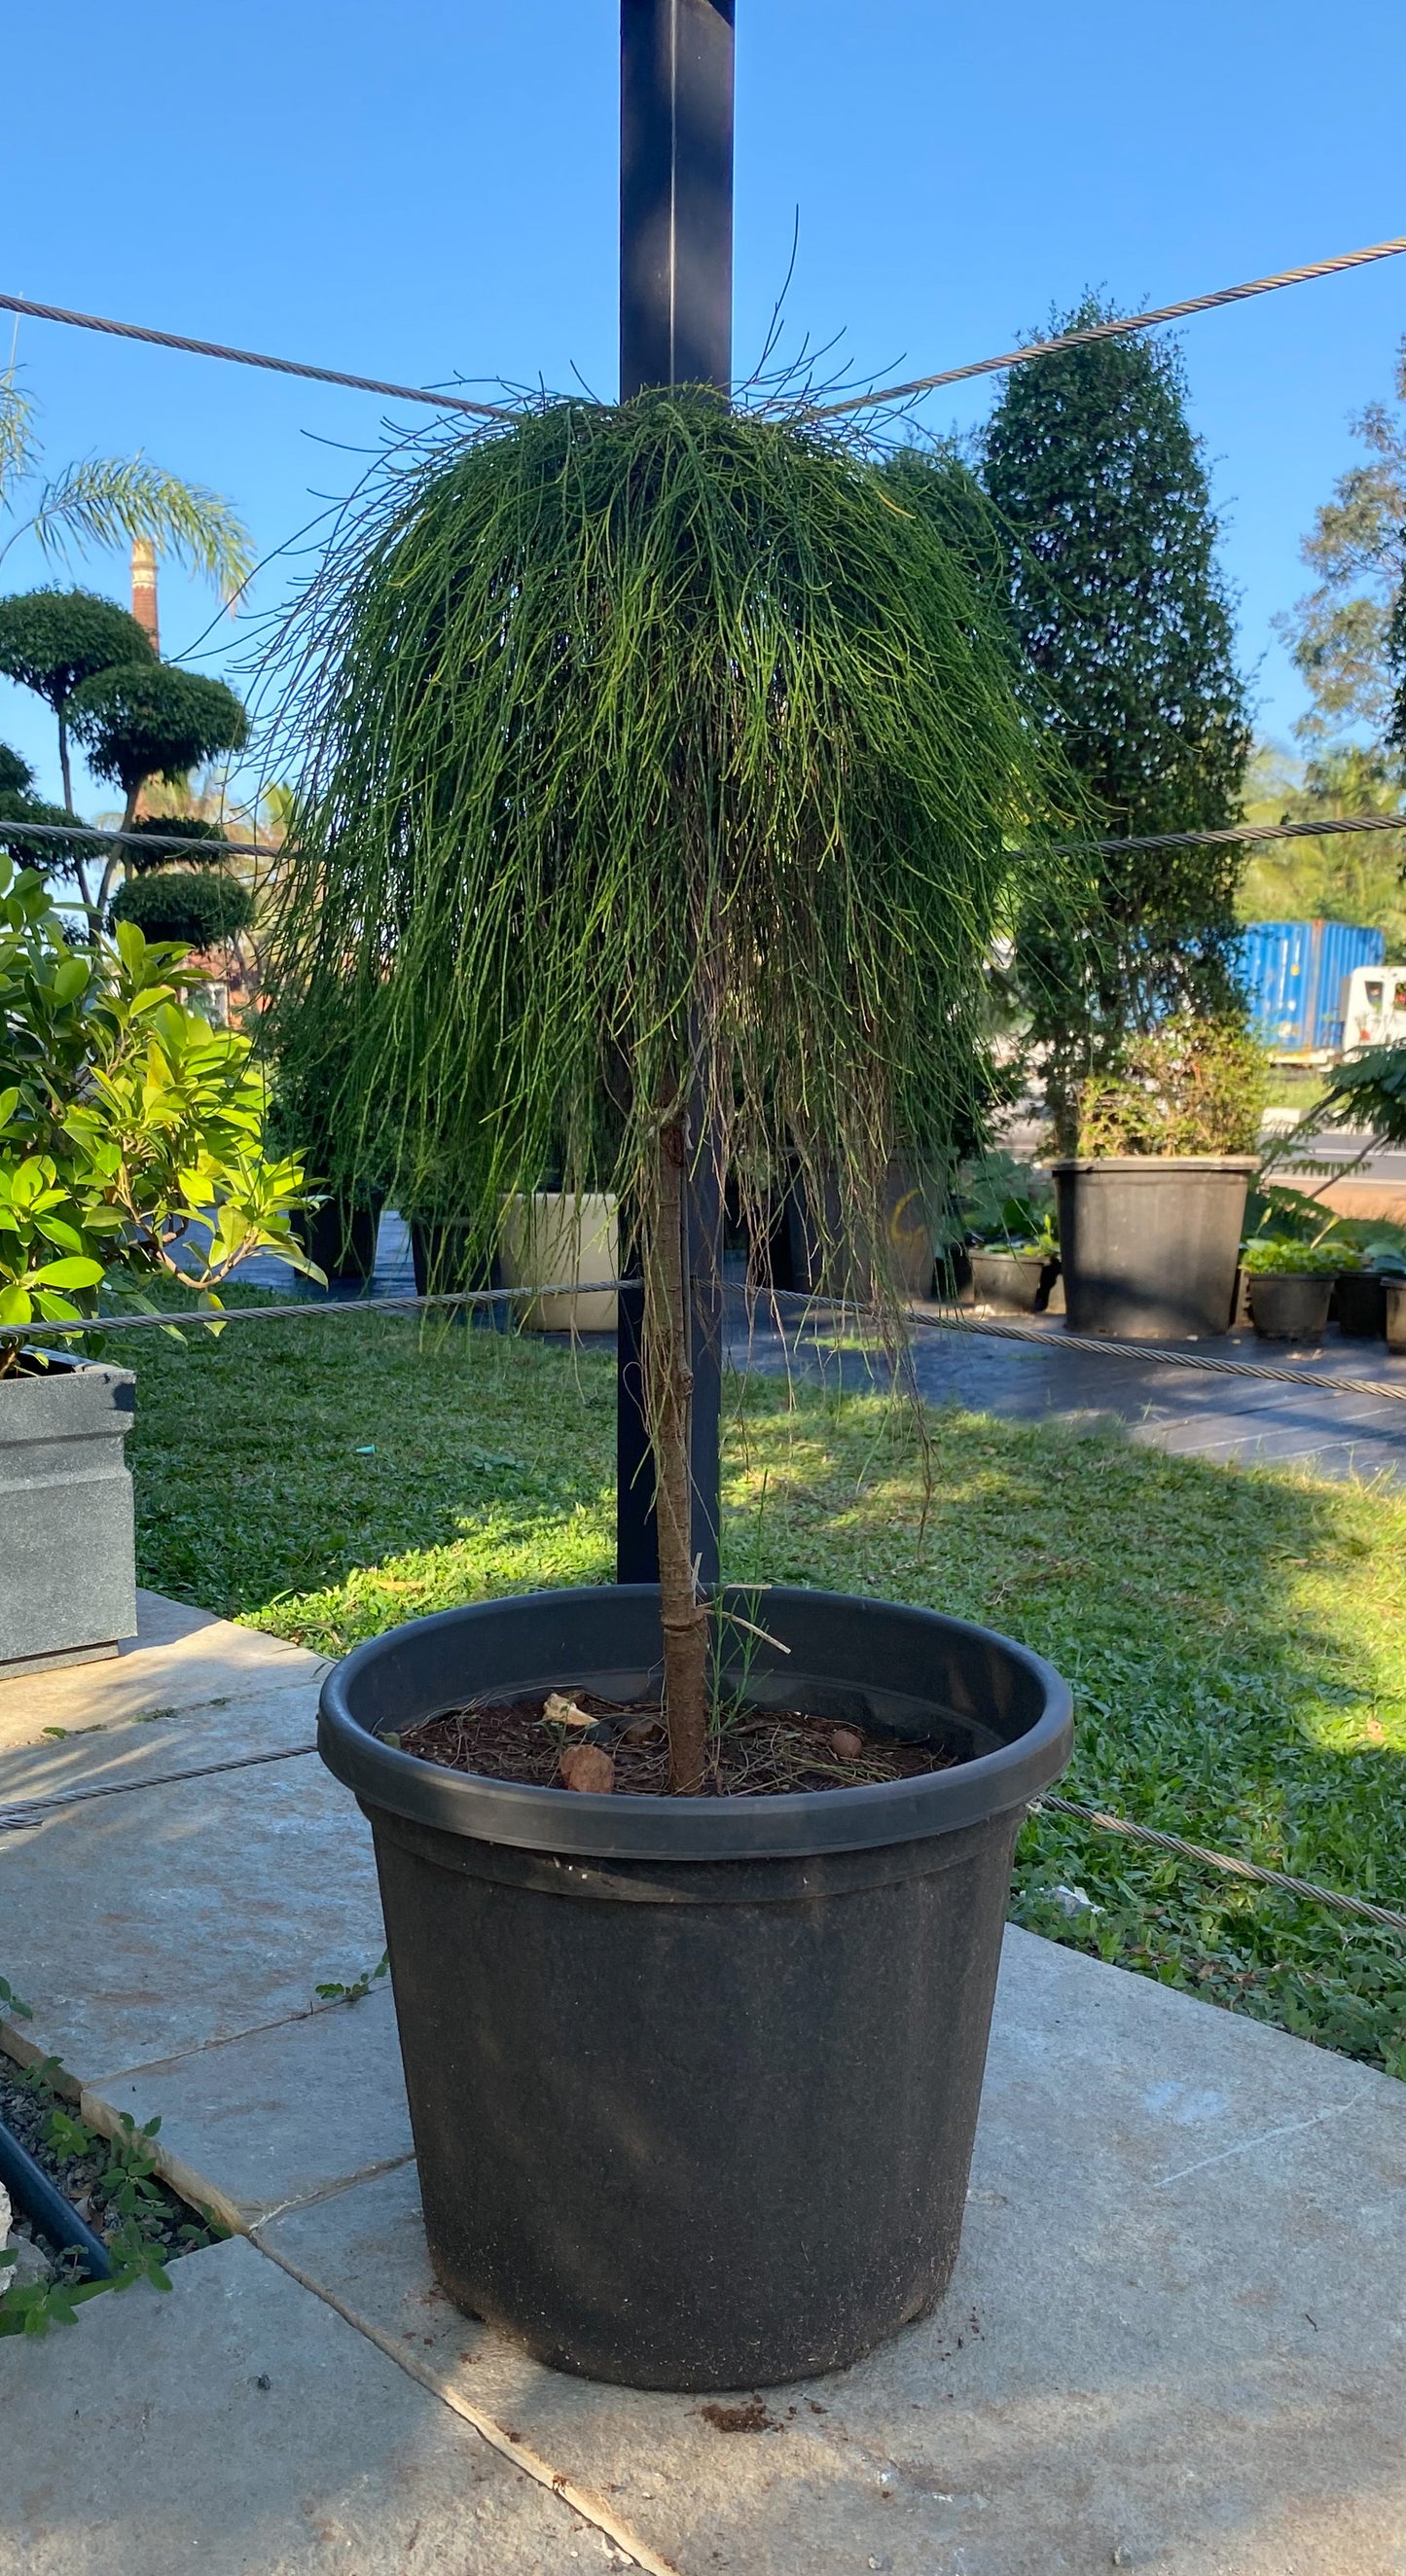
(694, 2081)
(1289, 1306)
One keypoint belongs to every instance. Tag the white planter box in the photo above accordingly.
(550, 1237)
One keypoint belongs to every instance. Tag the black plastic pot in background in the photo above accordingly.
(1360, 1299)
(801, 1261)
(1012, 1283)
(1149, 1243)
(340, 1238)
(448, 1259)
(694, 2082)
(1289, 1306)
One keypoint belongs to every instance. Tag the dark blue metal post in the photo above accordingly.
(676, 87)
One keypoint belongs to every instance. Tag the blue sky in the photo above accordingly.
(423, 190)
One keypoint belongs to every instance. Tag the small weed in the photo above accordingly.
(133, 2207)
(335, 1993)
(11, 2002)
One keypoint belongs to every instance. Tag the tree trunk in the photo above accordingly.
(670, 1381)
(117, 856)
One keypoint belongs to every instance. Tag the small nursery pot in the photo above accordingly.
(1012, 1283)
(1289, 1306)
(694, 2081)
(1360, 1296)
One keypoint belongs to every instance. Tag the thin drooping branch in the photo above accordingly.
(669, 1401)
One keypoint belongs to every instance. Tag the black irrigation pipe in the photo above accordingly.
(43, 2204)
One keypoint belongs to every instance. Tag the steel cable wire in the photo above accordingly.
(1113, 330)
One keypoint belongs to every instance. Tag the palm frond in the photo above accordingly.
(18, 451)
(107, 500)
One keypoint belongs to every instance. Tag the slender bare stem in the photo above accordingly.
(683, 1617)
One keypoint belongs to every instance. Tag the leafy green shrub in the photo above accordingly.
(1189, 1087)
(126, 1121)
(1272, 1257)
(1369, 1092)
(198, 909)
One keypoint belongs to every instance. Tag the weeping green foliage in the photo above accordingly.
(647, 752)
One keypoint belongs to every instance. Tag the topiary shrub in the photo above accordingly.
(176, 903)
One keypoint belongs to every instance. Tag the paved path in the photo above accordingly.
(1174, 2339)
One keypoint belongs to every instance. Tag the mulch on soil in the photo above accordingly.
(754, 1752)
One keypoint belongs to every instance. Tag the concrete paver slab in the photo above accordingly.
(1174, 2340)
(124, 1754)
(252, 2125)
(239, 2428)
(139, 1926)
(179, 1658)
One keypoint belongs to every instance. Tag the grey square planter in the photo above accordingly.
(68, 1579)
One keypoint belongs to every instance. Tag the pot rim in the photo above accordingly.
(796, 1824)
(1152, 1164)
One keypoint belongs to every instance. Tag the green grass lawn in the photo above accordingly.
(1236, 1638)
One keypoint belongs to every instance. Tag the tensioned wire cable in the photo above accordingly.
(810, 411)
(251, 358)
(19, 829)
(951, 1320)
(1114, 330)
(27, 1814)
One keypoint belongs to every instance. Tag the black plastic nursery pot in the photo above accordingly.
(694, 2082)
(341, 1238)
(1290, 1306)
(1149, 1243)
(1012, 1283)
(1360, 1297)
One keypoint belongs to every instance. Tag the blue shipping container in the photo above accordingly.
(1296, 973)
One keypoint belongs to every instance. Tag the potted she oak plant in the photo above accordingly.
(131, 1153)
(661, 782)
(1152, 1201)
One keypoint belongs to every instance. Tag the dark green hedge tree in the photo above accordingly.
(51, 641)
(196, 906)
(1120, 613)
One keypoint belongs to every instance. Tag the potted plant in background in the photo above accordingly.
(662, 777)
(1006, 1212)
(1290, 1287)
(1152, 1203)
(131, 1152)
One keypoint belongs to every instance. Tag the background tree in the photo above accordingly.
(145, 720)
(1120, 615)
(19, 806)
(1340, 633)
(1352, 876)
(197, 906)
(51, 641)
